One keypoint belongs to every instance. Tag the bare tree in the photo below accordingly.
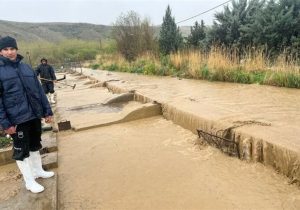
(132, 35)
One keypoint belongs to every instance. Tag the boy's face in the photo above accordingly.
(9, 52)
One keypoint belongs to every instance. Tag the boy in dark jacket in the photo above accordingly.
(22, 105)
(47, 76)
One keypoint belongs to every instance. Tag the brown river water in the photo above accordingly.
(155, 164)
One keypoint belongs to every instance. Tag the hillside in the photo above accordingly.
(54, 32)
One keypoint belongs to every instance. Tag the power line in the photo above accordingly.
(204, 12)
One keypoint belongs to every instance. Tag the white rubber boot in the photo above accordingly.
(30, 183)
(52, 98)
(35, 162)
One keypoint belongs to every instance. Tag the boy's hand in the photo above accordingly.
(10, 130)
(48, 119)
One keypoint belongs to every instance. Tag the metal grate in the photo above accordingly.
(225, 145)
(64, 125)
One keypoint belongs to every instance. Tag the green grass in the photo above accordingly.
(94, 66)
(4, 142)
(283, 79)
(66, 51)
(236, 75)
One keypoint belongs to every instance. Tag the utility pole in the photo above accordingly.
(78, 60)
(29, 59)
(100, 44)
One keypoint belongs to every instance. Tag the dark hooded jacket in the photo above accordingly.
(45, 71)
(21, 95)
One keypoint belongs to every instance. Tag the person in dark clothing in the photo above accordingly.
(47, 77)
(22, 105)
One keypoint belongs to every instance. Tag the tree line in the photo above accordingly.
(271, 25)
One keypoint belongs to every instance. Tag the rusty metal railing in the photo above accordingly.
(225, 145)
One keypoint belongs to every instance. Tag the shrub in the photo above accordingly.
(5, 142)
(204, 72)
(112, 67)
(94, 66)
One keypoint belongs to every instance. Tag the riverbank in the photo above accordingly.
(216, 66)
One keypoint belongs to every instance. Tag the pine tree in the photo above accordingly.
(270, 23)
(250, 30)
(232, 25)
(289, 25)
(277, 26)
(197, 35)
(170, 38)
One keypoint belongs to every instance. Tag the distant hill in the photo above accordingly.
(54, 32)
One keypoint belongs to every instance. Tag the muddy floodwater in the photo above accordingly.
(225, 103)
(133, 145)
(264, 120)
(155, 164)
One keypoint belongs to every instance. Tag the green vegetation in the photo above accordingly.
(272, 24)
(63, 52)
(54, 32)
(133, 36)
(4, 142)
(251, 41)
(213, 67)
(170, 38)
(195, 39)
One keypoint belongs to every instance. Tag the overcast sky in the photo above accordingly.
(104, 11)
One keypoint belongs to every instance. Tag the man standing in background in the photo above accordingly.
(47, 77)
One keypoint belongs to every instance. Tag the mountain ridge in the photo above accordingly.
(53, 32)
(58, 31)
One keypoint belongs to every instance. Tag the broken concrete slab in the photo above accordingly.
(120, 98)
(129, 114)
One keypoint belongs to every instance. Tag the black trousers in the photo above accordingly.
(48, 87)
(27, 139)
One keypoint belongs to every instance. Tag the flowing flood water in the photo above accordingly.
(153, 163)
